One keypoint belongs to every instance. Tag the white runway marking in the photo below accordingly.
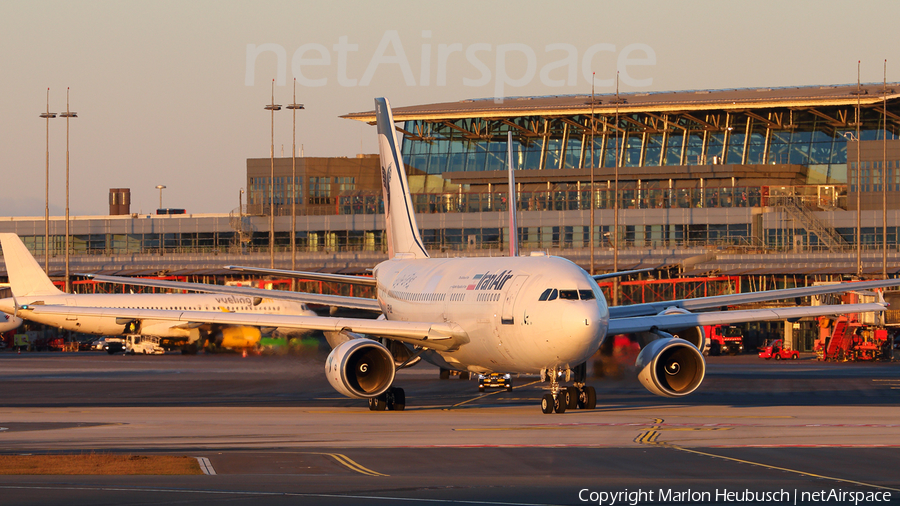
(205, 466)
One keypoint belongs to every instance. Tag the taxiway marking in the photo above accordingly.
(651, 437)
(348, 463)
(488, 394)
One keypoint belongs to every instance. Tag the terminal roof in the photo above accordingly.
(672, 101)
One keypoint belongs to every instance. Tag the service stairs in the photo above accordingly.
(794, 207)
(840, 339)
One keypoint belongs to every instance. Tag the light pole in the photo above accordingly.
(68, 114)
(47, 115)
(241, 223)
(591, 229)
(858, 181)
(615, 296)
(884, 182)
(294, 107)
(272, 107)
(855, 138)
(160, 187)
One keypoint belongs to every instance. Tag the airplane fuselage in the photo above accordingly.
(111, 325)
(522, 314)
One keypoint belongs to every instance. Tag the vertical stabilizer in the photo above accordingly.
(399, 220)
(26, 277)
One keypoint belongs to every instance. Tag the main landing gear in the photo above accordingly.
(579, 396)
(393, 399)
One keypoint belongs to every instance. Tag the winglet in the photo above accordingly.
(399, 218)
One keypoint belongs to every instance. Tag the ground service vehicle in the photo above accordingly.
(724, 339)
(776, 350)
(495, 380)
(143, 345)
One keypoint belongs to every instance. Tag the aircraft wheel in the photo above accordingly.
(587, 398)
(396, 399)
(445, 374)
(560, 403)
(547, 404)
(377, 403)
(571, 398)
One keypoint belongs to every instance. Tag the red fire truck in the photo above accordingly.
(724, 339)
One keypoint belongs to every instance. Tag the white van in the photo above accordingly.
(145, 345)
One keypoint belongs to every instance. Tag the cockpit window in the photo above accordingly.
(568, 294)
(549, 294)
(586, 294)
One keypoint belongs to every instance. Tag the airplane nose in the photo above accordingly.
(582, 328)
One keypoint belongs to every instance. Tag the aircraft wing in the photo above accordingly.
(316, 276)
(718, 301)
(619, 274)
(436, 336)
(309, 298)
(675, 322)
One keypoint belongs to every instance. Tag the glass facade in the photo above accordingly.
(816, 138)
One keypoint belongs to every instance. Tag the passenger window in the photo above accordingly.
(586, 294)
(568, 294)
(549, 294)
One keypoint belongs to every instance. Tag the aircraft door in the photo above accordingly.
(509, 300)
(71, 302)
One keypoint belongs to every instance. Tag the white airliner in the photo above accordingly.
(31, 287)
(9, 322)
(521, 314)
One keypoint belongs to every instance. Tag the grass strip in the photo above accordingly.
(98, 464)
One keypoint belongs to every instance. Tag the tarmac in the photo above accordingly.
(270, 428)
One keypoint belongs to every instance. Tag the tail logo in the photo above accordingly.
(386, 181)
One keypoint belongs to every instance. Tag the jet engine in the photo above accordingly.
(693, 335)
(360, 368)
(670, 367)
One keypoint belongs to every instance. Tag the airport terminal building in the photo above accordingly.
(704, 177)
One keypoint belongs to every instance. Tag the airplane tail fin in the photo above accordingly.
(399, 219)
(26, 278)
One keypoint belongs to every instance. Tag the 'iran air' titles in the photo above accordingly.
(488, 281)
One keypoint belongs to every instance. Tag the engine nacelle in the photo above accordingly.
(670, 367)
(360, 368)
(693, 335)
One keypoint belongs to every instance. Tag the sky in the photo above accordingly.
(173, 93)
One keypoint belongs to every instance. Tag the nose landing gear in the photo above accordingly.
(578, 396)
